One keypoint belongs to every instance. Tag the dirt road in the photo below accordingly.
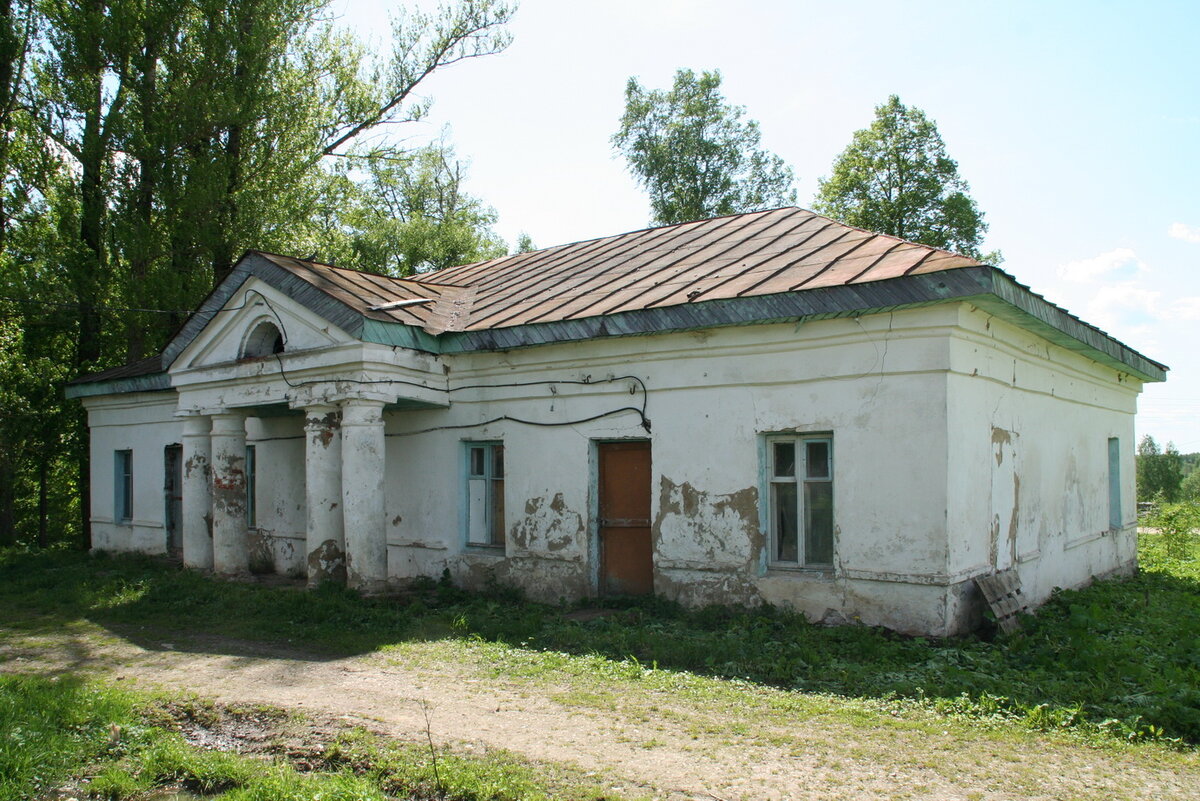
(646, 742)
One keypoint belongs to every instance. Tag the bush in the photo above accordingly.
(1176, 522)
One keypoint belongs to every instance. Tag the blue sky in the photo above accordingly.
(1076, 124)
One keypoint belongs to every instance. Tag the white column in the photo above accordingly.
(197, 493)
(326, 544)
(230, 554)
(362, 494)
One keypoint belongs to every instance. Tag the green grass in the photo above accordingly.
(55, 730)
(1119, 659)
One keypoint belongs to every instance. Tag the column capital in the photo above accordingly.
(362, 412)
(229, 422)
(196, 425)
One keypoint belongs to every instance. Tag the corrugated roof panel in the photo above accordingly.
(605, 294)
(666, 246)
(682, 285)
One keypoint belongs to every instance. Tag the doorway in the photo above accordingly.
(626, 551)
(173, 497)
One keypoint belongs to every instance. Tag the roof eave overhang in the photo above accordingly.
(154, 382)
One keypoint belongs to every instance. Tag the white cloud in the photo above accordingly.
(1188, 233)
(1124, 306)
(1119, 263)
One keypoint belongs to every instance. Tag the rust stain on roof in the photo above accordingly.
(743, 255)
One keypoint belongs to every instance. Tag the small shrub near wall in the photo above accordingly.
(1177, 523)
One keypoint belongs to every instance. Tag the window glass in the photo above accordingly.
(783, 502)
(817, 459)
(1114, 484)
(818, 523)
(123, 475)
(785, 459)
(485, 493)
(801, 500)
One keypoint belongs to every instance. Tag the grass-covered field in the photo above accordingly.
(1116, 662)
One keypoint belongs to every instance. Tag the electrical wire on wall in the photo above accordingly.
(637, 383)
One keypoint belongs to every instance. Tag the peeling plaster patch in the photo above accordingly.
(549, 529)
(702, 531)
(323, 428)
(1000, 438)
(327, 563)
(198, 464)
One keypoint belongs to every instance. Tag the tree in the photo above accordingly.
(143, 146)
(895, 178)
(412, 215)
(524, 243)
(695, 154)
(1159, 472)
(1189, 490)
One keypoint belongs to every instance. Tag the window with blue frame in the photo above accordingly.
(123, 486)
(485, 493)
(800, 473)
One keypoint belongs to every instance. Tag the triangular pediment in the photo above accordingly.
(242, 327)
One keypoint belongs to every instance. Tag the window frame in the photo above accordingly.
(123, 486)
(807, 481)
(251, 486)
(1115, 513)
(491, 471)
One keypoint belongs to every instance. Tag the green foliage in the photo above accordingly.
(1176, 524)
(145, 146)
(695, 154)
(1189, 490)
(896, 178)
(411, 215)
(1159, 472)
(53, 727)
(524, 244)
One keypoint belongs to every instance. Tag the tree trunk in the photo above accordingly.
(43, 537)
(90, 262)
(8, 518)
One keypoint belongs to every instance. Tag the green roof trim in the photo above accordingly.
(988, 288)
(155, 382)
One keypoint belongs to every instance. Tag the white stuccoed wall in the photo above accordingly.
(1030, 424)
(919, 404)
(144, 423)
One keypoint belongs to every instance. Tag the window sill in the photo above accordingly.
(485, 550)
(825, 573)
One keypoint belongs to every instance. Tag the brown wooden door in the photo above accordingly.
(626, 554)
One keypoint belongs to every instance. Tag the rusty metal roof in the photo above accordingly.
(743, 255)
(767, 266)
